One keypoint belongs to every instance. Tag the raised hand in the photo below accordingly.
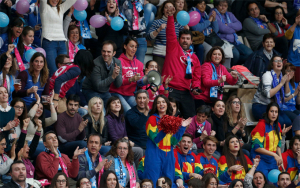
(10, 48)
(116, 71)
(13, 152)
(285, 130)
(78, 152)
(212, 133)
(263, 18)
(198, 176)
(284, 21)
(234, 74)
(186, 122)
(107, 165)
(222, 79)
(107, 17)
(168, 80)
(26, 123)
(20, 154)
(256, 161)
(171, 11)
(235, 168)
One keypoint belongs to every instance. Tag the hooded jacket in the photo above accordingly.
(290, 164)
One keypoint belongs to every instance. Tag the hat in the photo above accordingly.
(296, 123)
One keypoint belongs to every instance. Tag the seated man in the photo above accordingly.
(51, 161)
(91, 164)
(136, 119)
(284, 180)
(187, 164)
(70, 127)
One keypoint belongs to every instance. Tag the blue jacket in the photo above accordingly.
(4, 43)
(33, 20)
(204, 23)
(294, 55)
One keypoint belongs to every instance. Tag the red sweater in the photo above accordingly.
(129, 69)
(175, 62)
(282, 33)
(207, 81)
(47, 166)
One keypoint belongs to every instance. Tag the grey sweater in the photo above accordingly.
(101, 78)
(4, 166)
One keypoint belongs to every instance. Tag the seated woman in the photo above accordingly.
(35, 79)
(28, 37)
(266, 140)
(175, 105)
(157, 32)
(34, 20)
(234, 164)
(213, 77)
(210, 180)
(121, 155)
(132, 71)
(60, 180)
(255, 179)
(20, 113)
(237, 183)
(258, 62)
(228, 26)
(109, 179)
(84, 183)
(4, 159)
(180, 5)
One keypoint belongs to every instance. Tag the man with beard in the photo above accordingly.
(70, 127)
(187, 165)
(183, 65)
(18, 176)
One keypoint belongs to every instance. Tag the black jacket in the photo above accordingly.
(90, 129)
(12, 184)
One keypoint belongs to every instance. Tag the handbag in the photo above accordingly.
(198, 37)
(213, 39)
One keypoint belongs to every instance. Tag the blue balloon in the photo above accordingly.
(273, 175)
(4, 20)
(117, 23)
(80, 15)
(29, 54)
(183, 18)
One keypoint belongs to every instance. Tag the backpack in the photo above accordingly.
(245, 76)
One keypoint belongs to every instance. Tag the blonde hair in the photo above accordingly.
(229, 110)
(101, 118)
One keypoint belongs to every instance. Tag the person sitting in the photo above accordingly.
(91, 164)
(5, 160)
(256, 26)
(195, 183)
(236, 183)
(60, 180)
(228, 26)
(210, 180)
(175, 105)
(51, 161)
(258, 62)
(34, 20)
(121, 155)
(164, 182)
(146, 183)
(293, 34)
(136, 119)
(284, 180)
(234, 164)
(20, 113)
(187, 165)
(70, 127)
(28, 37)
(109, 179)
(107, 70)
(83, 183)
(255, 179)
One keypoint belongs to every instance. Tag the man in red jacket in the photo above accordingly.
(183, 65)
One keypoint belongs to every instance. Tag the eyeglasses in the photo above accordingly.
(3, 144)
(277, 61)
(212, 184)
(278, 13)
(74, 33)
(120, 148)
(21, 27)
(86, 183)
(19, 107)
(147, 186)
(290, 70)
(61, 181)
(236, 102)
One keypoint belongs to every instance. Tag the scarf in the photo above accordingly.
(236, 38)
(30, 171)
(121, 172)
(268, 54)
(4, 158)
(85, 29)
(188, 54)
(135, 17)
(297, 4)
(209, 29)
(279, 27)
(275, 83)
(62, 166)
(259, 23)
(18, 56)
(93, 179)
(200, 127)
(73, 49)
(217, 74)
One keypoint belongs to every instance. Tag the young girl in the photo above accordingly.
(28, 38)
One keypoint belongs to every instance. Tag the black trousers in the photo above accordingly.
(186, 102)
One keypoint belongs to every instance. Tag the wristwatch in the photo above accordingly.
(1, 130)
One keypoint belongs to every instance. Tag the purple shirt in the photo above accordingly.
(116, 127)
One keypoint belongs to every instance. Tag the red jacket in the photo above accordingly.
(207, 81)
(129, 69)
(282, 33)
(175, 62)
(46, 166)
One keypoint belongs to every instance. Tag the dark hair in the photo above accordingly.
(104, 176)
(2, 136)
(93, 134)
(110, 42)
(167, 181)
(71, 28)
(195, 183)
(216, 101)
(173, 100)
(186, 32)
(24, 33)
(194, 3)
(161, 8)
(154, 107)
(268, 121)
(147, 64)
(230, 158)
(282, 173)
(42, 117)
(12, 70)
(15, 162)
(210, 52)
(206, 179)
(211, 138)
(232, 184)
(53, 182)
(146, 180)
(293, 67)
(251, 2)
(279, 7)
(270, 186)
(24, 114)
(84, 59)
(44, 73)
(265, 178)
(292, 141)
(60, 59)
(127, 40)
(73, 97)
(18, 22)
(268, 36)
(204, 109)
(108, 110)
(79, 181)
(45, 135)
(187, 135)
(217, 2)
(270, 66)
(141, 91)
(114, 147)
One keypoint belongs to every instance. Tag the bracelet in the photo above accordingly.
(167, 88)
(236, 128)
(38, 131)
(51, 103)
(55, 99)
(37, 103)
(293, 95)
(254, 166)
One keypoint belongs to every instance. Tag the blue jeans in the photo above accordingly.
(142, 49)
(199, 50)
(126, 101)
(104, 149)
(69, 147)
(240, 54)
(53, 49)
(39, 149)
(149, 14)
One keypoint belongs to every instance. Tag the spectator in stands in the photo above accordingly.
(164, 182)
(234, 164)
(261, 138)
(134, 14)
(5, 160)
(210, 180)
(255, 179)
(183, 66)
(175, 105)
(67, 75)
(207, 25)
(34, 20)
(132, 71)
(136, 119)
(184, 157)
(70, 127)
(122, 158)
(284, 180)
(91, 164)
(97, 123)
(109, 179)
(146, 183)
(34, 80)
(160, 144)
(5, 7)
(60, 180)
(214, 75)
(195, 183)
(180, 5)
(83, 183)
(106, 33)
(107, 70)
(237, 183)
(293, 34)
(228, 26)
(256, 26)
(49, 162)
(20, 113)
(53, 34)
(157, 32)
(28, 37)
(8, 71)
(200, 127)
(258, 62)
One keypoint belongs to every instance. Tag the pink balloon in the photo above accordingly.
(195, 18)
(81, 5)
(97, 21)
(41, 50)
(0, 1)
(22, 6)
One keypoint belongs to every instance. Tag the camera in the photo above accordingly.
(220, 90)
